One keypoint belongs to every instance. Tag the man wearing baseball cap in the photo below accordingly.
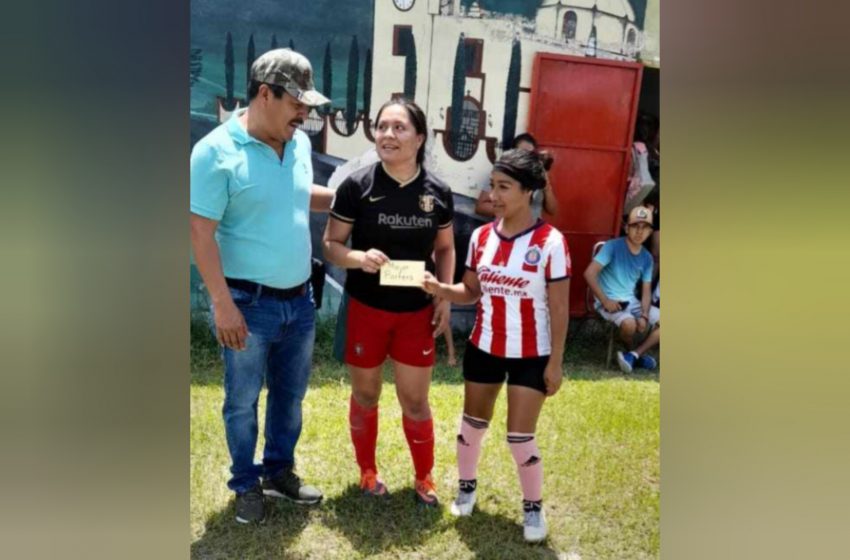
(251, 181)
(613, 275)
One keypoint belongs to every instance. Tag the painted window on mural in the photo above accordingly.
(402, 35)
(466, 143)
(405, 45)
(341, 124)
(570, 19)
(314, 123)
(474, 48)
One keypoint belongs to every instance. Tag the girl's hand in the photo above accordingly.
(553, 376)
(442, 317)
(430, 284)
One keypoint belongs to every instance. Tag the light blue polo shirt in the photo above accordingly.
(621, 270)
(262, 204)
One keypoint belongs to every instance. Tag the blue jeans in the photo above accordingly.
(279, 351)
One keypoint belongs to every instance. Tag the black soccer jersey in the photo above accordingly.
(400, 220)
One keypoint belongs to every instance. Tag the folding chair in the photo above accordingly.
(611, 327)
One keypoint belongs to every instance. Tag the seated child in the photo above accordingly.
(612, 276)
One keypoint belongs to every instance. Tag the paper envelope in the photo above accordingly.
(403, 273)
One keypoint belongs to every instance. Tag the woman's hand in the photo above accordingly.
(552, 377)
(373, 260)
(442, 316)
(430, 284)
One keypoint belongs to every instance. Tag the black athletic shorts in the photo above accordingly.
(481, 367)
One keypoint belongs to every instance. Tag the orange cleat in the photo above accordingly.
(371, 485)
(426, 492)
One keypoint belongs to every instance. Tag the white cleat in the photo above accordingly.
(534, 526)
(463, 504)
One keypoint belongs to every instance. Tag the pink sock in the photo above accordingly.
(469, 438)
(529, 464)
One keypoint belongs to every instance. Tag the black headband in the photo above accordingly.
(524, 176)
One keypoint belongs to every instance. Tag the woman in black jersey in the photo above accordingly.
(392, 210)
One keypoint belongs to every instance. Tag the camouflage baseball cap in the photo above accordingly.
(292, 71)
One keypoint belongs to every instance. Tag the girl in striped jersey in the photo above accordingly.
(518, 272)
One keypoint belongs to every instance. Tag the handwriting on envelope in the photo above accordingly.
(403, 273)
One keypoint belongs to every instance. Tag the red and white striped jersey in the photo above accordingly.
(512, 316)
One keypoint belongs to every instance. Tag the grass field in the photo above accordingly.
(599, 437)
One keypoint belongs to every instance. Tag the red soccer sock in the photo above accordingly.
(363, 425)
(420, 439)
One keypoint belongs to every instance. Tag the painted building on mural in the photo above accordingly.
(473, 70)
(467, 63)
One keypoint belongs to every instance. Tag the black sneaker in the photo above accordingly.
(250, 506)
(288, 485)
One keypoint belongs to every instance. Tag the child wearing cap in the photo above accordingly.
(612, 276)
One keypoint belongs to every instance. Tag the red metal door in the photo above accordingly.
(583, 111)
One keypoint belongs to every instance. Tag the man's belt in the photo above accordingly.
(279, 293)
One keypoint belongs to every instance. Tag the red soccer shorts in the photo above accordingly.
(372, 334)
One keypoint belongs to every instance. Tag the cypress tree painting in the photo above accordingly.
(327, 79)
(367, 84)
(228, 73)
(639, 6)
(250, 59)
(410, 67)
(351, 96)
(292, 44)
(458, 89)
(196, 65)
(511, 95)
(274, 41)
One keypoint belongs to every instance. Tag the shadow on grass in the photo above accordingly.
(586, 350)
(496, 536)
(225, 538)
(374, 525)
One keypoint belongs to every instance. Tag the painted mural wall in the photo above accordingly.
(468, 63)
